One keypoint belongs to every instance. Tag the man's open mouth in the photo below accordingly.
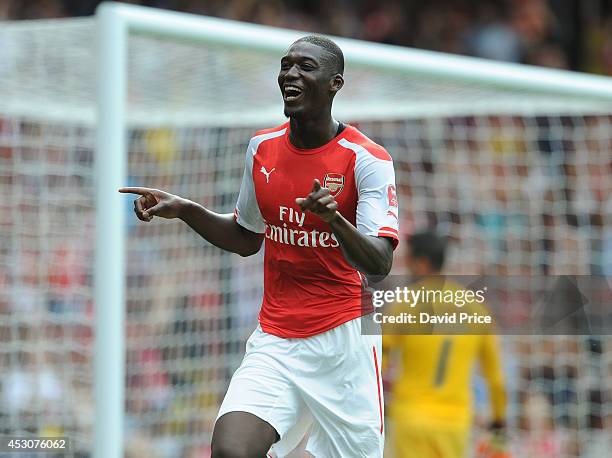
(291, 93)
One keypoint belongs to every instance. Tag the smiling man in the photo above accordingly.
(322, 196)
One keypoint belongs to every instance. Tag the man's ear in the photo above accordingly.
(336, 83)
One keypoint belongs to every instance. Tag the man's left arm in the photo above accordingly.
(368, 254)
(369, 245)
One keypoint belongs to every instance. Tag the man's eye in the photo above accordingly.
(307, 67)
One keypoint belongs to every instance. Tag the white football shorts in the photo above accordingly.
(329, 384)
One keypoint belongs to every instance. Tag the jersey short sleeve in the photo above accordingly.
(247, 211)
(377, 206)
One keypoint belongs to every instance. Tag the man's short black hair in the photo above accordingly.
(336, 57)
(430, 246)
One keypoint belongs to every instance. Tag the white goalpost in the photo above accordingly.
(504, 158)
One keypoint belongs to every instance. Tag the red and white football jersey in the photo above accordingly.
(309, 287)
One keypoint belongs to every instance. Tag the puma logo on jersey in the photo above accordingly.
(266, 173)
(390, 213)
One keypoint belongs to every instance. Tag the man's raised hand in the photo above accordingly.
(153, 202)
(320, 202)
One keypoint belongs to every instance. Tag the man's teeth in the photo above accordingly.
(292, 92)
(293, 89)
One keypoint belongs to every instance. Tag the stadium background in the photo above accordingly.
(537, 204)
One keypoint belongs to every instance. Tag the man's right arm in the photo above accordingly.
(222, 230)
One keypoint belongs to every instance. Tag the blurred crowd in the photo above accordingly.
(569, 34)
(518, 195)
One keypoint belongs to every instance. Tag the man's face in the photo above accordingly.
(305, 80)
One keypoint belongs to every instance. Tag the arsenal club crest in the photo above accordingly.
(334, 182)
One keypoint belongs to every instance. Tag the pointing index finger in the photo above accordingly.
(136, 190)
(316, 185)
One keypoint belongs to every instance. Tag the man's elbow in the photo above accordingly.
(247, 254)
(250, 243)
(248, 251)
(384, 260)
(385, 268)
(380, 270)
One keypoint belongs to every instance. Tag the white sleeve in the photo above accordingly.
(247, 212)
(377, 206)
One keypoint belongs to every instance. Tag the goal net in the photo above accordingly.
(518, 175)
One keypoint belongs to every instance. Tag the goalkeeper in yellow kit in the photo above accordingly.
(431, 405)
